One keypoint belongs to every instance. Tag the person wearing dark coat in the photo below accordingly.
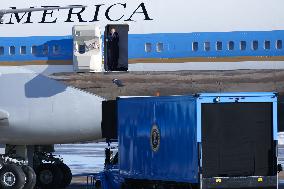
(113, 50)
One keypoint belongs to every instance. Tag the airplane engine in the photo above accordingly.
(43, 111)
(35, 113)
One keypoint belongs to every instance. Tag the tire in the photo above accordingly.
(30, 177)
(12, 177)
(67, 175)
(48, 176)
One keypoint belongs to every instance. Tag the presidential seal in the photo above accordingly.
(155, 138)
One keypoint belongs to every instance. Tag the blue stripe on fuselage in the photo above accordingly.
(64, 43)
(174, 45)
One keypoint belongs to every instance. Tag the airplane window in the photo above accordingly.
(82, 49)
(160, 47)
(45, 49)
(279, 44)
(56, 49)
(243, 45)
(207, 46)
(12, 50)
(1, 51)
(34, 50)
(148, 47)
(231, 45)
(254, 45)
(195, 46)
(23, 50)
(219, 45)
(266, 45)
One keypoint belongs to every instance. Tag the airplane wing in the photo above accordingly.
(9, 11)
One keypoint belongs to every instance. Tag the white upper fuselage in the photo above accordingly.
(180, 16)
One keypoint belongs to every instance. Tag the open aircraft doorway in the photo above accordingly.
(116, 47)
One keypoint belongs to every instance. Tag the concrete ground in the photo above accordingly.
(77, 157)
(79, 183)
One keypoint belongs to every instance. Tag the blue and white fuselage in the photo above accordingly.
(173, 35)
(36, 110)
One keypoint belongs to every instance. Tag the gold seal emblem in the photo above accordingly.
(155, 138)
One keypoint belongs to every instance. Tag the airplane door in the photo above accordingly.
(87, 53)
(122, 30)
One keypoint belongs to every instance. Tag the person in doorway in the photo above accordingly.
(113, 50)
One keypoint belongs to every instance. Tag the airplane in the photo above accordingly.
(37, 112)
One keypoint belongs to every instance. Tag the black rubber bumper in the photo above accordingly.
(240, 182)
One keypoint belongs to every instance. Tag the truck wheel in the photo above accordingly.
(48, 176)
(67, 175)
(12, 177)
(30, 177)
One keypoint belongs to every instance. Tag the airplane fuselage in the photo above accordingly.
(159, 33)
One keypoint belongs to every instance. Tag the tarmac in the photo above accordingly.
(83, 160)
(87, 159)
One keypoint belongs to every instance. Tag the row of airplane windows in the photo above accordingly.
(34, 50)
(219, 46)
(159, 47)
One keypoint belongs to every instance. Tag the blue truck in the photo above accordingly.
(208, 140)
